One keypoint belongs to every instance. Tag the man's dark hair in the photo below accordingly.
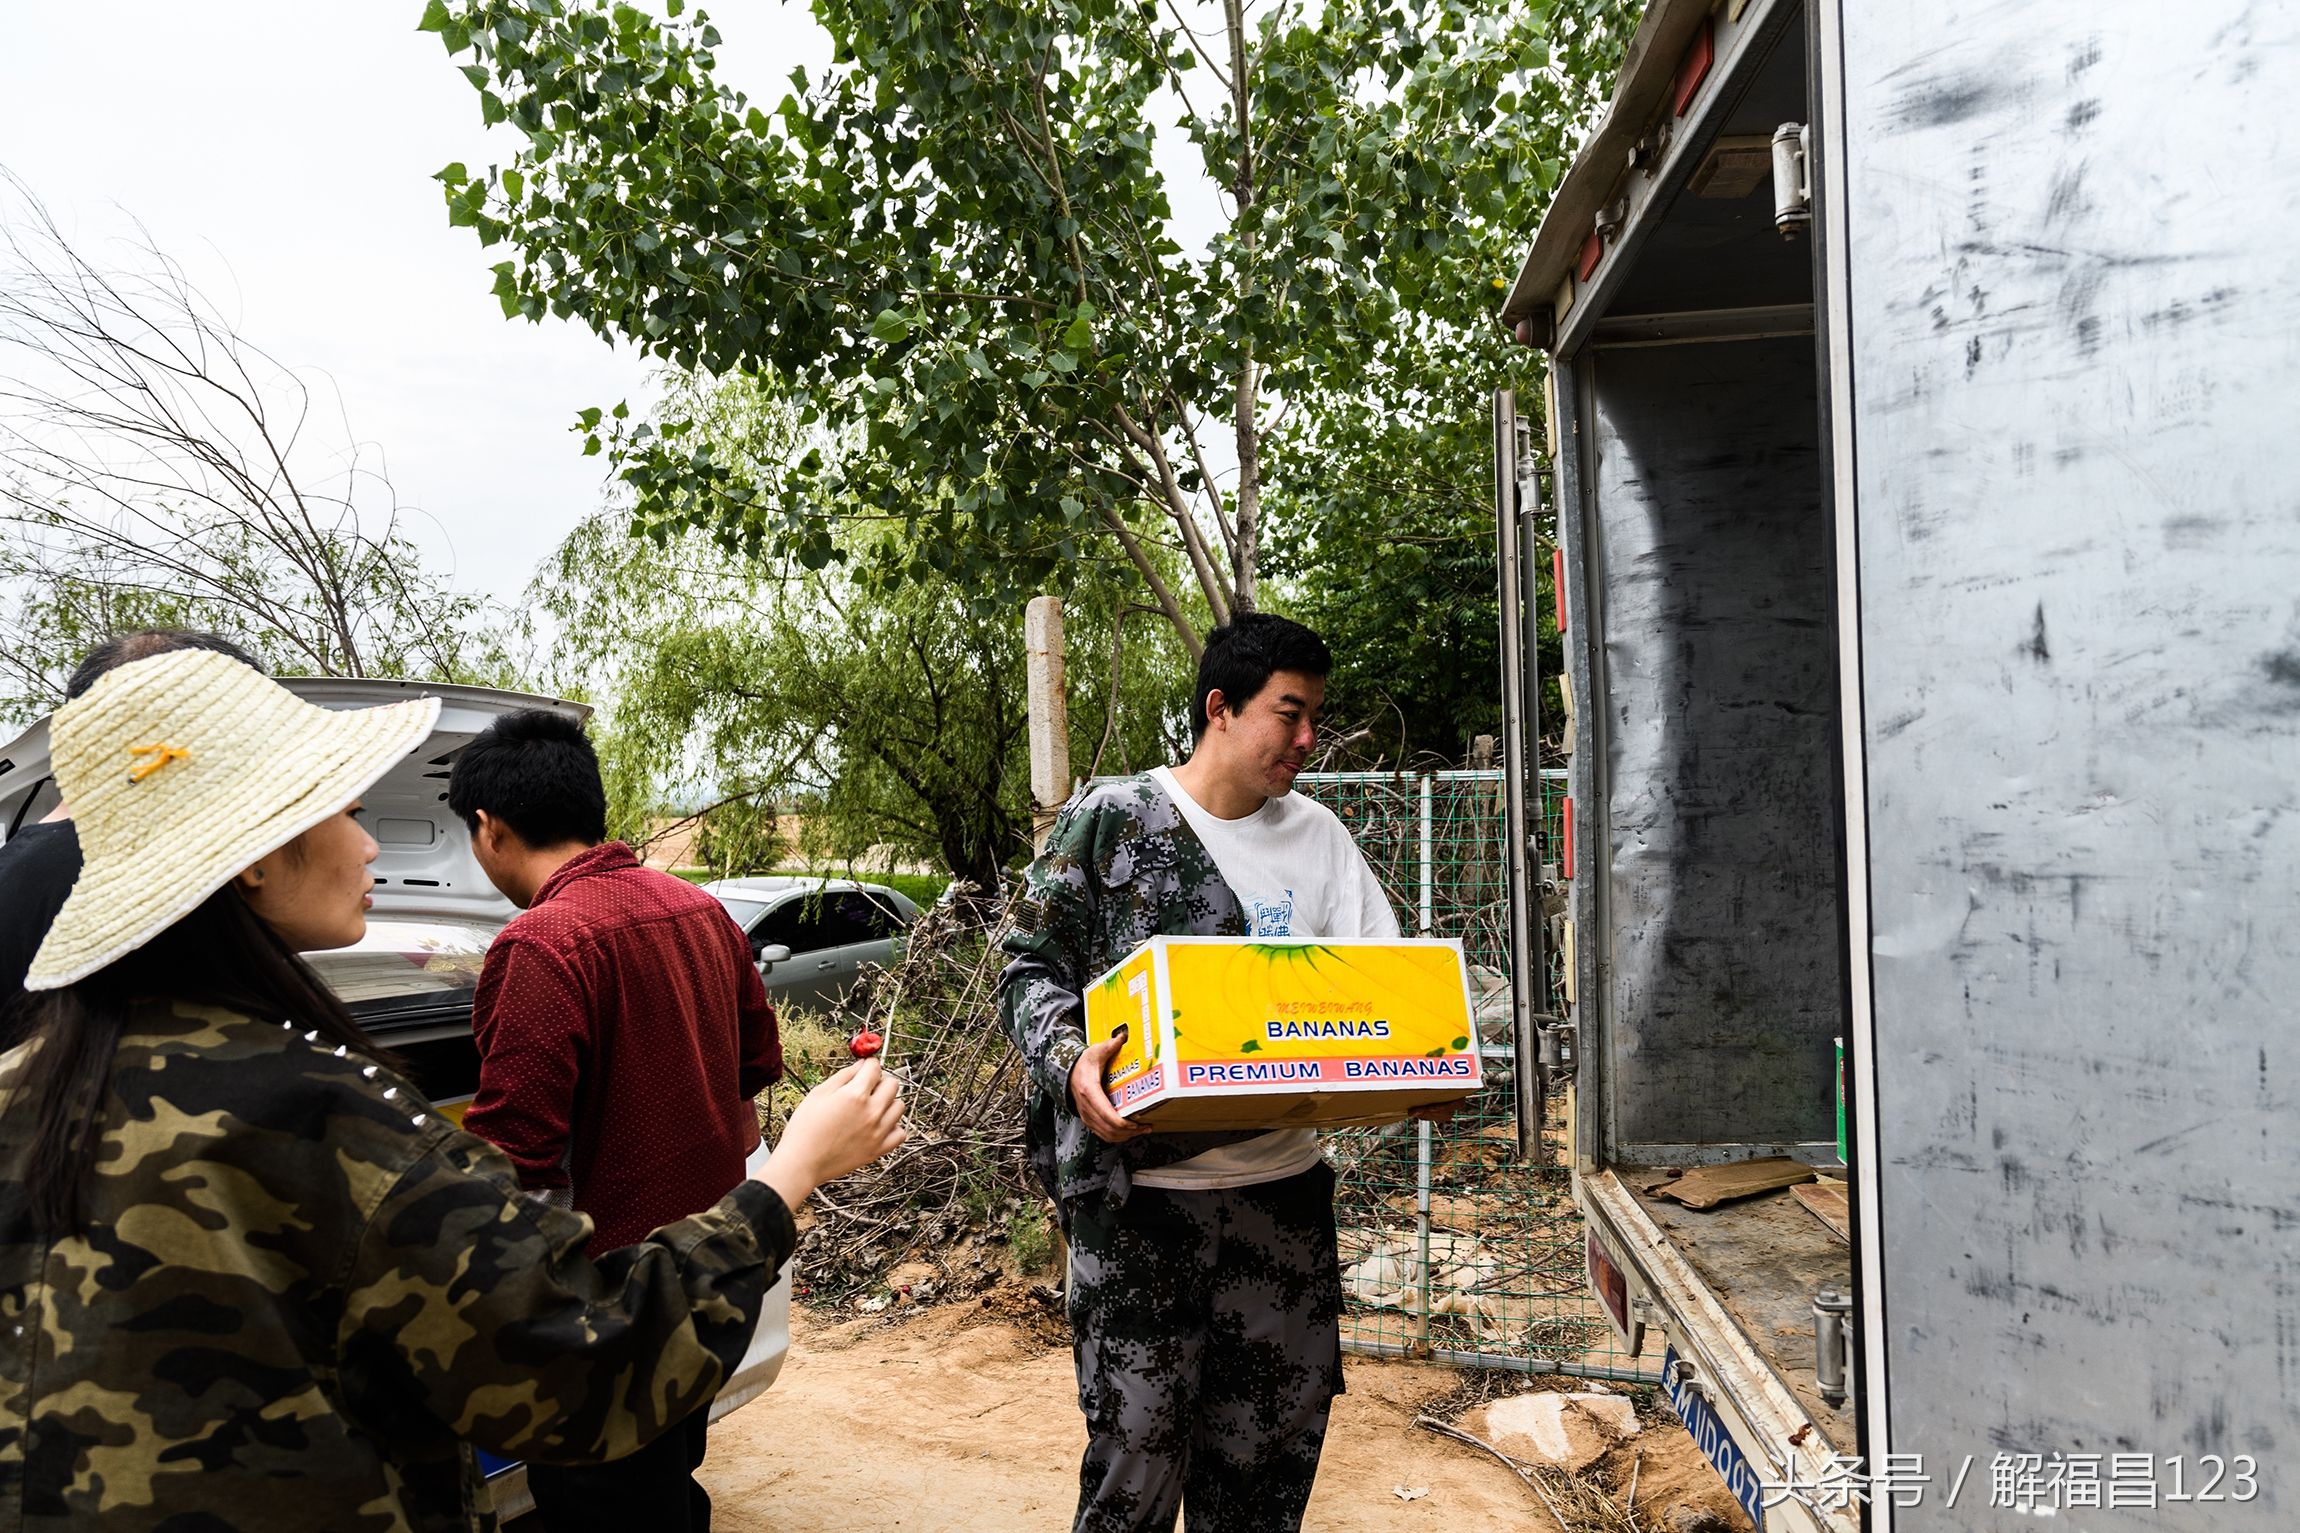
(142, 644)
(535, 771)
(1242, 654)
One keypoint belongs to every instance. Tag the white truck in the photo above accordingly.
(1920, 432)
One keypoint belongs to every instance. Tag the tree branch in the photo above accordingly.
(1157, 583)
(1218, 599)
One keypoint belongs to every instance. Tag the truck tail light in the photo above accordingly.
(1565, 861)
(1606, 1281)
(1693, 68)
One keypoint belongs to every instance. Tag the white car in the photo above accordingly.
(812, 938)
(409, 981)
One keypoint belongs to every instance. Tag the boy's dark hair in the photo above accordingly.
(142, 644)
(1242, 654)
(535, 771)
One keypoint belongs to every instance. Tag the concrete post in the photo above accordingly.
(1049, 714)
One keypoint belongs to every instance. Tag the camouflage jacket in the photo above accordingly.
(300, 1298)
(1120, 867)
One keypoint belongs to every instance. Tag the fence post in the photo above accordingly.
(1049, 714)
(1428, 909)
(1422, 1223)
(1428, 901)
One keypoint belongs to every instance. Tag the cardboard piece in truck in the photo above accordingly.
(1243, 1033)
(1824, 1198)
(1708, 1186)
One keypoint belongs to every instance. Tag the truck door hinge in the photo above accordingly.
(1610, 218)
(1559, 1048)
(1832, 1344)
(1645, 155)
(1681, 1373)
(1792, 180)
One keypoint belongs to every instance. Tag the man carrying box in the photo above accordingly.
(1205, 1292)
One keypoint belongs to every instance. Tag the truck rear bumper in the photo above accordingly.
(1749, 1422)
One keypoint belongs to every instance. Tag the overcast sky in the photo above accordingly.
(282, 151)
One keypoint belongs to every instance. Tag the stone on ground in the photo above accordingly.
(1571, 1431)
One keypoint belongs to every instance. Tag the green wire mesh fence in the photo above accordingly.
(1451, 1248)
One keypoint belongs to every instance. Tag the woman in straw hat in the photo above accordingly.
(247, 1279)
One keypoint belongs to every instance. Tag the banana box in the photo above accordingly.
(1241, 1032)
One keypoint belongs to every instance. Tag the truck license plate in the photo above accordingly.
(1716, 1444)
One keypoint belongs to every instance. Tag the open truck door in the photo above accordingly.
(1918, 410)
(1683, 426)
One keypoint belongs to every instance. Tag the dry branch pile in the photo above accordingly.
(1576, 1503)
(957, 1197)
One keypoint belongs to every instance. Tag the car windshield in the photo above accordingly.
(401, 963)
(744, 911)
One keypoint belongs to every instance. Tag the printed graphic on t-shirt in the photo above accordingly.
(1270, 916)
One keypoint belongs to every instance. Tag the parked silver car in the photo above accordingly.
(409, 980)
(812, 938)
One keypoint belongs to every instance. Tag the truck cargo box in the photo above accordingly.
(1914, 429)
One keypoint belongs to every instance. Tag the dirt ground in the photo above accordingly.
(964, 1418)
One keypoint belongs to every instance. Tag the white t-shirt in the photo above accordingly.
(1297, 873)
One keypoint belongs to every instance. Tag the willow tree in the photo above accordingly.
(738, 683)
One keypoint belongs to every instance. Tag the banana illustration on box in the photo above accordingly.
(1236, 1032)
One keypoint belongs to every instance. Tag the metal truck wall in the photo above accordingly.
(2074, 313)
(1718, 722)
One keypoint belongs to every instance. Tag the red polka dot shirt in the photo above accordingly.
(622, 1034)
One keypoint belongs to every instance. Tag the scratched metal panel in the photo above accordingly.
(2075, 310)
(1724, 914)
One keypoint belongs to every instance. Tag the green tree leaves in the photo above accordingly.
(955, 247)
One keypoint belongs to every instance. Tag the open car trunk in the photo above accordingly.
(409, 981)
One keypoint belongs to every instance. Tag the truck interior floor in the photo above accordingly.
(1763, 1258)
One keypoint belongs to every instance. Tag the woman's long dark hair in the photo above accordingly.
(222, 955)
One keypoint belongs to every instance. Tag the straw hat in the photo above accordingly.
(183, 769)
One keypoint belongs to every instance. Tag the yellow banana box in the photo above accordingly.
(1242, 1032)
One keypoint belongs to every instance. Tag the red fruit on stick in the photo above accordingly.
(865, 1044)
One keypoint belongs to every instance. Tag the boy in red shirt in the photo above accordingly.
(622, 1034)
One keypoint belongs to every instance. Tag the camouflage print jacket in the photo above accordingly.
(1120, 867)
(300, 1298)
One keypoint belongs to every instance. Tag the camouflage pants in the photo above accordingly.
(1208, 1344)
